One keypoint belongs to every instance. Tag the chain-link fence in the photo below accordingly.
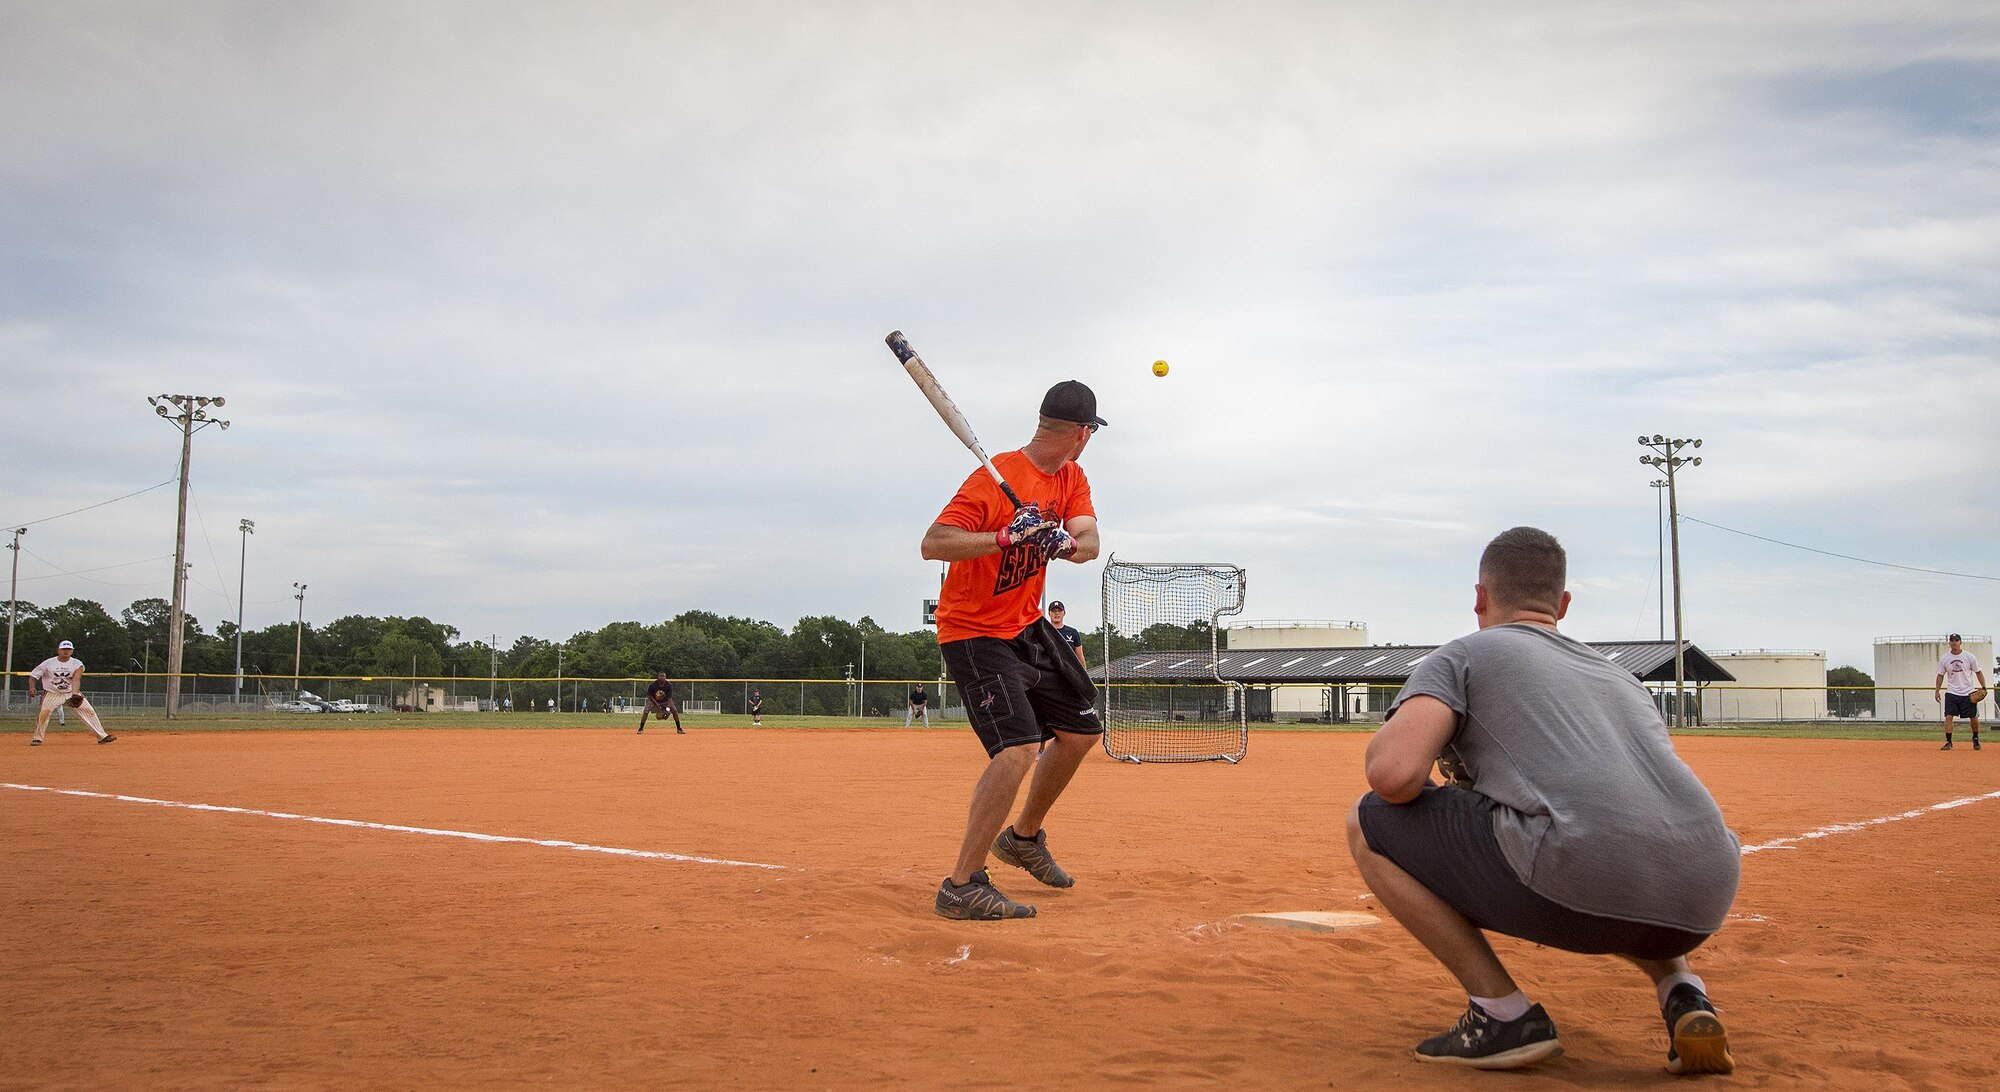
(877, 701)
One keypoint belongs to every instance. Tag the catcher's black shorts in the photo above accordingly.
(1444, 839)
(1960, 705)
(1024, 690)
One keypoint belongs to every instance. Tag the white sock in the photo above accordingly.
(1666, 985)
(1505, 1009)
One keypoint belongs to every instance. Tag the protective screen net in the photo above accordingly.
(1163, 701)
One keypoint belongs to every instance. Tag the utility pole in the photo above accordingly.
(13, 594)
(1660, 548)
(493, 671)
(1667, 457)
(559, 659)
(189, 413)
(247, 528)
(298, 636)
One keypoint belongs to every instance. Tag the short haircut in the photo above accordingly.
(1524, 568)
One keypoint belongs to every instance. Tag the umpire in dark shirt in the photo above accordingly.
(1069, 633)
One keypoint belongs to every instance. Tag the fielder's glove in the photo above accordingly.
(1026, 526)
(76, 701)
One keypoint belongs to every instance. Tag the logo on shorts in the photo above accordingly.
(987, 701)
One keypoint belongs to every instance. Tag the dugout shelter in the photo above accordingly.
(1360, 681)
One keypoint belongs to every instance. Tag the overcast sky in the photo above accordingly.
(533, 317)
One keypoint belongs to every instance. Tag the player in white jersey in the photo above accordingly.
(61, 680)
(1960, 684)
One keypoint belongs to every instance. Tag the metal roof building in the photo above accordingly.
(1376, 665)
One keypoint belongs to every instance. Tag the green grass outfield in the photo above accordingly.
(21, 722)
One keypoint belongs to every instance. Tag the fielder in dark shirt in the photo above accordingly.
(920, 706)
(660, 703)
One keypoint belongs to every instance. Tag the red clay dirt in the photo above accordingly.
(166, 948)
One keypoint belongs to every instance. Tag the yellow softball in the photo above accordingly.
(1159, 367)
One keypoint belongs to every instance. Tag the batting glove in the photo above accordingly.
(1027, 524)
(1058, 545)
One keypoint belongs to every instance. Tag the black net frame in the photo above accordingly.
(1174, 707)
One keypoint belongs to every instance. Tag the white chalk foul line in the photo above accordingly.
(1849, 828)
(470, 836)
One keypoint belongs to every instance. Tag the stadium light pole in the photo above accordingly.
(1667, 457)
(298, 636)
(247, 528)
(13, 603)
(1660, 547)
(189, 413)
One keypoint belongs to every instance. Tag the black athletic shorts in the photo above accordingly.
(1960, 705)
(1023, 690)
(1444, 839)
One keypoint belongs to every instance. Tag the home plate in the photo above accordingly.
(1313, 921)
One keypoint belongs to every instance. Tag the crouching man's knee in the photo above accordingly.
(1357, 842)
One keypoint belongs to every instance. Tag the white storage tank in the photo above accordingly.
(1906, 672)
(1771, 684)
(1296, 702)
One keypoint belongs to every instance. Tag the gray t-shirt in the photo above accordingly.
(1596, 811)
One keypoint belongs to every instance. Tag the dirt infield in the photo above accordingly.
(150, 946)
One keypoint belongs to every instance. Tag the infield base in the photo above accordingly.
(1313, 921)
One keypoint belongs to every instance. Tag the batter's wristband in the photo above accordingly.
(1001, 538)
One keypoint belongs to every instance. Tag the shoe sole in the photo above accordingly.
(1008, 858)
(959, 913)
(1506, 1059)
(1700, 1046)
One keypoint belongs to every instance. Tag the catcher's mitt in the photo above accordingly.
(1453, 769)
(75, 701)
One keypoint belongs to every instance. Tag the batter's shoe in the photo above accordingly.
(1478, 1041)
(1696, 1041)
(1033, 855)
(108, 739)
(978, 900)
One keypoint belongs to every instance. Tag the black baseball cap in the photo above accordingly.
(1057, 605)
(1953, 637)
(1070, 400)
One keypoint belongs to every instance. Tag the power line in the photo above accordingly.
(99, 504)
(1844, 557)
(60, 571)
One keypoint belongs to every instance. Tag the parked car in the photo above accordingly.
(345, 706)
(297, 707)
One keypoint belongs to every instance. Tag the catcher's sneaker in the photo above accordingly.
(1696, 1041)
(108, 739)
(978, 900)
(1033, 855)
(1481, 1042)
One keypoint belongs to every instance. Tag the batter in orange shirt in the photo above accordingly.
(1021, 684)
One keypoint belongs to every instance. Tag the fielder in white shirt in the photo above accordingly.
(1958, 680)
(61, 680)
